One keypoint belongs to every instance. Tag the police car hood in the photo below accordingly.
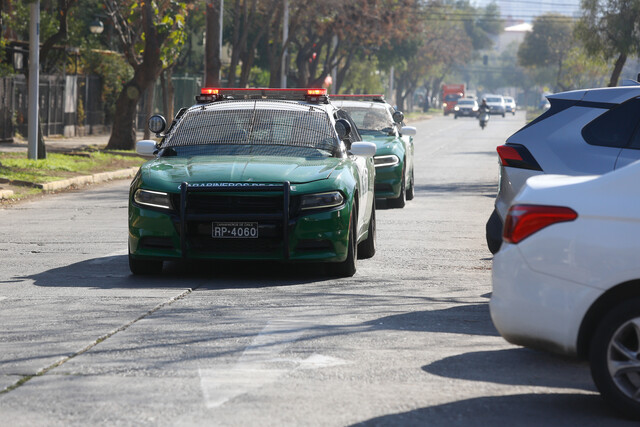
(171, 171)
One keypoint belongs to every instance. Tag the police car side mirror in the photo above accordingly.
(398, 117)
(146, 147)
(157, 124)
(361, 148)
(408, 130)
(343, 128)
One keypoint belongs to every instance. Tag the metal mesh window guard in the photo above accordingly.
(368, 116)
(255, 123)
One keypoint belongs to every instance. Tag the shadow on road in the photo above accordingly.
(113, 272)
(469, 319)
(515, 410)
(474, 189)
(492, 153)
(507, 367)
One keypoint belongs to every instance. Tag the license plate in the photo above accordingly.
(234, 230)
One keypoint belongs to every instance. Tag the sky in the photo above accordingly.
(529, 9)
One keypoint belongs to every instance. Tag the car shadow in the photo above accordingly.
(489, 190)
(515, 366)
(485, 153)
(469, 319)
(113, 272)
(530, 409)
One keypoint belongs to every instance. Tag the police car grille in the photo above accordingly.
(231, 204)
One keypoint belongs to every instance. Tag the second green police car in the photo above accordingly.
(379, 123)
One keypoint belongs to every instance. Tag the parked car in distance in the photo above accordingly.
(567, 278)
(496, 104)
(585, 132)
(510, 105)
(254, 174)
(465, 108)
(380, 123)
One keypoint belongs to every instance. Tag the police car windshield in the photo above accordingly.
(373, 120)
(257, 127)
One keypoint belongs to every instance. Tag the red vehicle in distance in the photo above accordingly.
(450, 96)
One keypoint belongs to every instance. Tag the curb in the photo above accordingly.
(88, 179)
(63, 184)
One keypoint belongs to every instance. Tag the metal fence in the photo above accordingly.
(58, 101)
(185, 87)
(6, 110)
(50, 103)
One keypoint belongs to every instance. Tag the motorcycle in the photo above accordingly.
(483, 118)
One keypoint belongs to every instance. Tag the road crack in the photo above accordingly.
(102, 338)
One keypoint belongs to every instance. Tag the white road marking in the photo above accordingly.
(259, 364)
(317, 361)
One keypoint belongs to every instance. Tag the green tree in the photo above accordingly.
(480, 23)
(150, 33)
(548, 45)
(610, 29)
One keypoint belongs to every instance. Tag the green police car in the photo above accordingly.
(254, 174)
(379, 123)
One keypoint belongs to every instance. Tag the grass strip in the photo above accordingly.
(17, 167)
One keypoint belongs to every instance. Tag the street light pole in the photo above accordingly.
(220, 41)
(34, 78)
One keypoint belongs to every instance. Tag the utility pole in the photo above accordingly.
(285, 36)
(220, 41)
(334, 70)
(210, 60)
(34, 78)
(392, 95)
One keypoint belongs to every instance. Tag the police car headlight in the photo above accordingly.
(321, 200)
(155, 199)
(475, 108)
(383, 161)
(456, 108)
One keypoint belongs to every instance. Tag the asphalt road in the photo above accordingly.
(407, 341)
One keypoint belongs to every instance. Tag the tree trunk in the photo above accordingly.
(123, 133)
(617, 69)
(342, 72)
(212, 44)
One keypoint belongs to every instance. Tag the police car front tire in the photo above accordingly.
(144, 266)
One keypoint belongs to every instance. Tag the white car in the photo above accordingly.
(510, 104)
(496, 104)
(567, 277)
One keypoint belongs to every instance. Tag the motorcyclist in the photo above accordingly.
(483, 113)
(484, 108)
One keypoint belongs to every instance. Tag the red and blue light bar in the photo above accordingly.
(210, 94)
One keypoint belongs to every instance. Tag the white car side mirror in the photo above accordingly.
(408, 130)
(365, 149)
(146, 147)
